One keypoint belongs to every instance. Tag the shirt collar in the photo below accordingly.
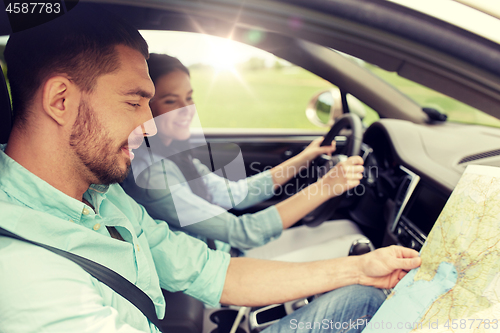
(37, 194)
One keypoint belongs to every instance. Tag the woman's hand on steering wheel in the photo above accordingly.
(344, 176)
(337, 180)
(314, 150)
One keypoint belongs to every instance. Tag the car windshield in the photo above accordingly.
(455, 110)
(425, 97)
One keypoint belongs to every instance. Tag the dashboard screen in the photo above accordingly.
(424, 207)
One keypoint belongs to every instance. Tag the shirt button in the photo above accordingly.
(138, 249)
(96, 226)
(85, 211)
(71, 220)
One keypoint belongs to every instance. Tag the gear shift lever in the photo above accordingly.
(361, 246)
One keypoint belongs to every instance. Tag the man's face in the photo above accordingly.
(109, 120)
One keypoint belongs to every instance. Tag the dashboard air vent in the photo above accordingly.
(479, 156)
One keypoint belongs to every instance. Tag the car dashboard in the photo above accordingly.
(411, 170)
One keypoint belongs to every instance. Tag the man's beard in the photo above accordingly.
(94, 147)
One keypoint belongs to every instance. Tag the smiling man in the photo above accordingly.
(81, 89)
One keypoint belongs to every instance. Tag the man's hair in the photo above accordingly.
(80, 45)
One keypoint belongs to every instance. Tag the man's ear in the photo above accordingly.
(60, 98)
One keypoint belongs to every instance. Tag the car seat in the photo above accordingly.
(5, 111)
(332, 239)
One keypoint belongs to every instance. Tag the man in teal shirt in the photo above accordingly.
(80, 90)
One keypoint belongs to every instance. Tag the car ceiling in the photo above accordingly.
(421, 48)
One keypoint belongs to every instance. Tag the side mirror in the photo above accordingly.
(326, 106)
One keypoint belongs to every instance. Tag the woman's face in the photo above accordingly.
(170, 106)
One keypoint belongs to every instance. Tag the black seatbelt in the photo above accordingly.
(107, 276)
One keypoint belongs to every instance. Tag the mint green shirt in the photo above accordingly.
(43, 292)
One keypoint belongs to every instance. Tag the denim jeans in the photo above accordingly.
(344, 310)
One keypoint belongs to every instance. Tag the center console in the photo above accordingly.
(418, 205)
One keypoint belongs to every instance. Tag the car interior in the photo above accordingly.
(413, 158)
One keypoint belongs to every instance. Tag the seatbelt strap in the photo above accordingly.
(107, 276)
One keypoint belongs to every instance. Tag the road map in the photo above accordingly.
(457, 288)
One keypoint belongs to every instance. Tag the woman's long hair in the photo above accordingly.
(179, 151)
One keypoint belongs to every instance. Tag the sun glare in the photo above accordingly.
(222, 56)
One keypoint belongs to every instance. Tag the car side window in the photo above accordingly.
(239, 86)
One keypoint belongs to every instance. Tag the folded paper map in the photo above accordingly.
(457, 288)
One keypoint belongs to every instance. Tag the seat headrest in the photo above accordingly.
(5, 110)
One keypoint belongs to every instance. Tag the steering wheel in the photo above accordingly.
(324, 163)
